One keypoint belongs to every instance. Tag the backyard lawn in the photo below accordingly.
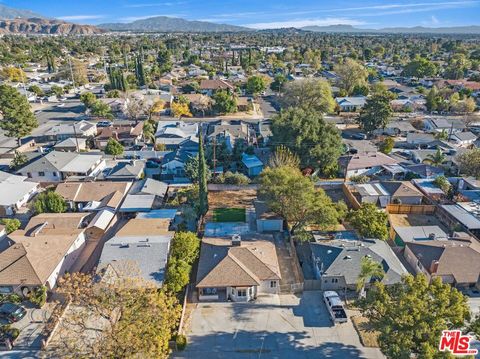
(229, 215)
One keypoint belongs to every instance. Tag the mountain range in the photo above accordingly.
(171, 24)
(17, 21)
(474, 30)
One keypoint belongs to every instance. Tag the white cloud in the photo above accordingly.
(81, 17)
(168, 3)
(434, 20)
(305, 22)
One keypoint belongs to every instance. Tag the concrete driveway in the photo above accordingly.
(284, 326)
(31, 327)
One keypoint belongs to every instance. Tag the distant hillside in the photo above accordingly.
(474, 30)
(44, 26)
(11, 13)
(171, 24)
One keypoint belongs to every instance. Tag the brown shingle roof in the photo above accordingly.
(33, 256)
(109, 193)
(216, 85)
(223, 265)
(454, 258)
(144, 226)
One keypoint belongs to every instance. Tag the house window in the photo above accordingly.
(334, 280)
(273, 284)
(29, 175)
(241, 293)
(41, 174)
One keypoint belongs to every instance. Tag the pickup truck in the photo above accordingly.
(335, 307)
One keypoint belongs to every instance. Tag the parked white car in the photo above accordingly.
(335, 307)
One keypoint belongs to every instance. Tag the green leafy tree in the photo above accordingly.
(202, 178)
(307, 135)
(369, 221)
(57, 90)
(432, 100)
(139, 319)
(49, 202)
(11, 224)
(256, 85)
(36, 90)
(293, 197)
(284, 157)
(192, 169)
(88, 99)
(370, 270)
(436, 159)
(352, 74)
(178, 275)
(278, 82)
(114, 148)
(17, 119)
(19, 159)
(224, 102)
(185, 245)
(442, 183)
(309, 94)
(411, 315)
(469, 162)
(376, 113)
(101, 109)
(387, 145)
(420, 67)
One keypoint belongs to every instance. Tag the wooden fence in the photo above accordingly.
(410, 209)
(350, 197)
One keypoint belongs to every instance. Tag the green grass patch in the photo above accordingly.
(229, 215)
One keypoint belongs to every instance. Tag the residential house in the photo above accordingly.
(455, 262)
(72, 145)
(173, 133)
(425, 171)
(57, 166)
(125, 134)
(463, 139)
(351, 104)
(386, 192)
(93, 196)
(236, 269)
(173, 165)
(209, 87)
(121, 170)
(230, 132)
(81, 129)
(42, 252)
(436, 125)
(15, 192)
(367, 163)
(337, 263)
(455, 216)
(139, 249)
(418, 139)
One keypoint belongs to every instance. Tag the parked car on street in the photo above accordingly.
(11, 311)
(335, 307)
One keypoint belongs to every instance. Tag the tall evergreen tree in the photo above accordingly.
(202, 177)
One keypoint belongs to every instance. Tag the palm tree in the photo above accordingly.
(436, 159)
(369, 270)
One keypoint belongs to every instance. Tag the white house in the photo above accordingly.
(56, 166)
(15, 192)
(349, 104)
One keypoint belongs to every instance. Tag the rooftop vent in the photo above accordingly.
(236, 240)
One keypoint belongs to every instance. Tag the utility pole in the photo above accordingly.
(76, 138)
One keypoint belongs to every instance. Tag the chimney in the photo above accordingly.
(434, 267)
(431, 236)
(236, 240)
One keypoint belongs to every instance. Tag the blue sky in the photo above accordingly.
(266, 13)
